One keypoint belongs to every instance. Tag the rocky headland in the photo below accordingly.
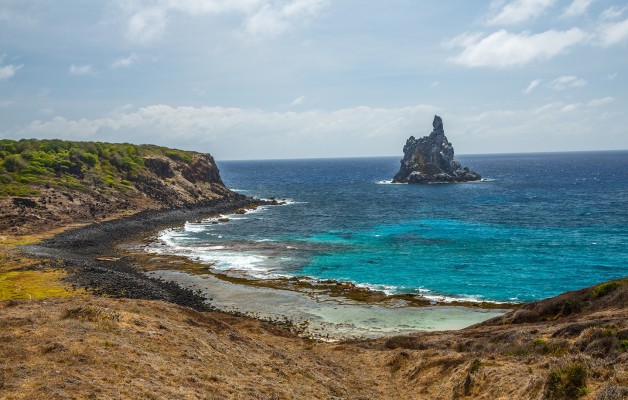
(52, 183)
(430, 159)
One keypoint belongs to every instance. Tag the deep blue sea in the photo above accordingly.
(537, 226)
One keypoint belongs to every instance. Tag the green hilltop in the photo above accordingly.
(28, 165)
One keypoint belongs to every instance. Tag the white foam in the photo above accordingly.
(389, 182)
(194, 227)
(285, 202)
(388, 289)
(233, 261)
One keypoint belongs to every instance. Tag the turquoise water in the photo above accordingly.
(539, 225)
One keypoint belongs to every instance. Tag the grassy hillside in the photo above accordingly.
(51, 183)
(28, 165)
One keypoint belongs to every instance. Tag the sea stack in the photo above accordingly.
(430, 159)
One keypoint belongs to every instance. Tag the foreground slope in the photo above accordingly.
(102, 348)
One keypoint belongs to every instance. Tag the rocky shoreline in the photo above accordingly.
(89, 256)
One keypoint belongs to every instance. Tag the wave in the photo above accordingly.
(283, 202)
(389, 182)
(430, 295)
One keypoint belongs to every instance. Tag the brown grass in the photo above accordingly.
(103, 348)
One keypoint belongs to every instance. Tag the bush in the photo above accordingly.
(29, 164)
(605, 288)
(568, 382)
(14, 163)
(541, 347)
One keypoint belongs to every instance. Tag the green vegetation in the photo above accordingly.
(568, 382)
(28, 165)
(539, 346)
(33, 285)
(605, 288)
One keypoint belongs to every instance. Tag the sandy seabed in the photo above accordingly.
(323, 316)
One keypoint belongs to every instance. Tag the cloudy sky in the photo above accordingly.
(255, 79)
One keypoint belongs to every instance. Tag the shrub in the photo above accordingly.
(178, 155)
(568, 382)
(405, 342)
(539, 346)
(605, 288)
(14, 163)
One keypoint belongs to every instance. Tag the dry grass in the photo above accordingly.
(110, 349)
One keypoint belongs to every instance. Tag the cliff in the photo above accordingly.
(430, 159)
(48, 183)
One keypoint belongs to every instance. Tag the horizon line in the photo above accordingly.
(401, 156)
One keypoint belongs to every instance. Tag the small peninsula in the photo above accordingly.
(430, 159)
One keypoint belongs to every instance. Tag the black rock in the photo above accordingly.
(430, 159)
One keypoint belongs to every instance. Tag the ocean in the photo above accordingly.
(537, 225)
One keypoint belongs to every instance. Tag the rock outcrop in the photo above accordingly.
(430, 159)
(160, 179)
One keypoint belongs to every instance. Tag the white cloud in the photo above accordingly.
(566, 81)
(612, 76)
(434, 84)
(8, 71)
(504, 49)
(298, 101)
(613, 33)
(125, 62)
(5, 103)
(532, 86)
(577, 7)
(146, 25)
(370, 131)
(146, 21)
(600, 102)
(81, 70)
(570, 107)
(541, 128)
(310, 133)
(613, 12)
(11, 16)
(519, 11)
(273, 19)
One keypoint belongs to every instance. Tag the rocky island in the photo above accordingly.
(430, 159)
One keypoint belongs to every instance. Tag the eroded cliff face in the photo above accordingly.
(430, 159)
(162, 183)
(172, 183)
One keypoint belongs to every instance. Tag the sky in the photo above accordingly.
(264, 79)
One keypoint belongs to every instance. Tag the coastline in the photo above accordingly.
(89, 255)
(105, 259)
(87, 337)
